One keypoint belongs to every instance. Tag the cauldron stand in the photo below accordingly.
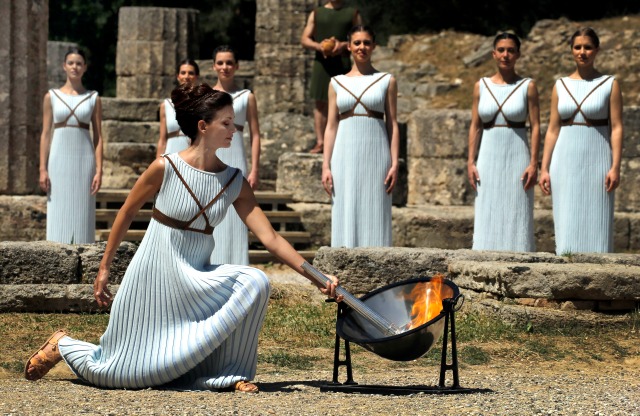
(350, 386)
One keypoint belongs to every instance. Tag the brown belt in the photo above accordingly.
(78, 126)
(239, 127)
(511, 124)
(178, 224)
(370, 113)
(589, 122)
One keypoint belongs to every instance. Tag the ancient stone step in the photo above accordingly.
(116, 131)
(560, 281)
(130, 109)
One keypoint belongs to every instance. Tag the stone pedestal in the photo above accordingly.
(24, 28)
(151, 43)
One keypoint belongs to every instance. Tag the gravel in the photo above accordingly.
(517, 389)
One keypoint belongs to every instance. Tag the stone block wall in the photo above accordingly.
(282, 65)
(151, 43)
(130, 130)
(23, 82)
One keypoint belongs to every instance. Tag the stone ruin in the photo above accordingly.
(433, 209)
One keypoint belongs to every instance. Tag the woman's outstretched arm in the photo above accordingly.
(145, 188)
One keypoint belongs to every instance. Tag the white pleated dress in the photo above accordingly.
(232, 233)
(361, 158)
(177, 141)
(581, 159)
(71, 209)
(503, 209)
(177, 320)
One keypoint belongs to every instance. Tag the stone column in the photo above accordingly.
(55, 56)
(24, 26)
(151, 43)
(282, 65)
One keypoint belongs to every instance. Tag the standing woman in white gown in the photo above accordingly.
(361, 148)
(172, 139)
(70, 160)
(582, 151)
(231, 234)
(505, 174)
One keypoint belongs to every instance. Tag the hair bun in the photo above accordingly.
(185, 95)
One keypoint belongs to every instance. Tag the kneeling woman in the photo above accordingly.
(177, 320)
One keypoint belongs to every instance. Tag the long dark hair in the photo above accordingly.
(507, 35)
(197, 102)
(588, 32)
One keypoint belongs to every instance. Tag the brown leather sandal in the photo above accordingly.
(45, 358)
(244, 386)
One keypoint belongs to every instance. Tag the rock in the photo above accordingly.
(282, 133)
(38, 262)
(316, 219)
(23, 218)
(49, 298)
(431, 226)
(300, 174)
(481, 54)
(91, 256)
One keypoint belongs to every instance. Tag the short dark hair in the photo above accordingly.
(588, 32)
(507, 35)
(361, 28)
(75, 51)
(197, 102)
(191, 62)
(224, 48)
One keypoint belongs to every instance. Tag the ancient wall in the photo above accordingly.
(24, 28)
(151, 43)
(282, 65)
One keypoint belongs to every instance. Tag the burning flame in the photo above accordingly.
(426, 298)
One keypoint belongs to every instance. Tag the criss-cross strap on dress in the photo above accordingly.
(178, 321)
(71, 215)
(503, 209)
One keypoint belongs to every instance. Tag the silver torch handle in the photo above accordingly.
(386, 327)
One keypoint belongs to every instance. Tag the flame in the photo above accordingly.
(426, 298)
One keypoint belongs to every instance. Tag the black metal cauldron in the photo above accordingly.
(391, 302)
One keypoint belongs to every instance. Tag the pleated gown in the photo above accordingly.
(177, 320)
(503, 209)
(71, 209)
(582, 208)
(232, 233)
(361, 210)
(177, 141)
